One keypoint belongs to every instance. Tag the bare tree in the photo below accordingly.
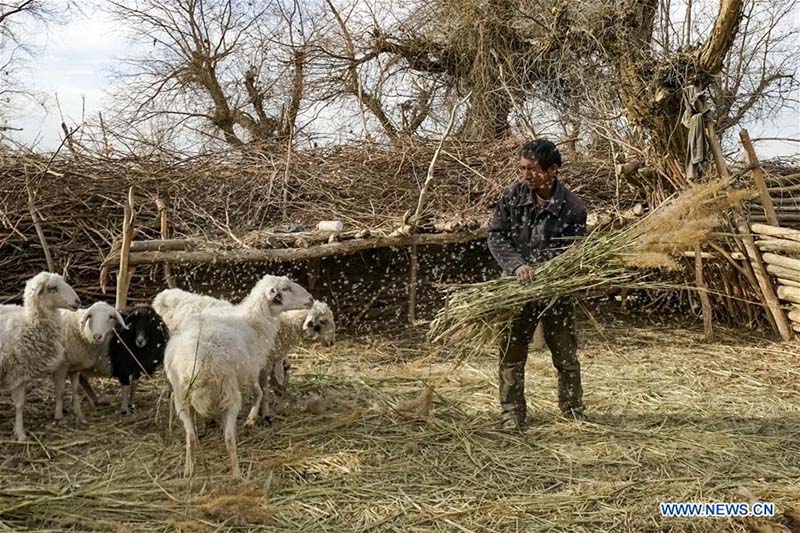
(607, 73)
(379, 90)
(222, 67)
(616, 67)
(16, 47)
(759, 77)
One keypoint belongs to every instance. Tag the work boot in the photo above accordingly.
(575, 413)
(511, 421)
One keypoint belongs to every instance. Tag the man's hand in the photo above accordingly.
(524, 274)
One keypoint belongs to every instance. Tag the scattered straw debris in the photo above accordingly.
(235, 506)
(419, 406)
(671, 420)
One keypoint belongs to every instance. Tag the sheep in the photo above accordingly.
(136, 350)
(313, 325)
(177, 307)
(87, 334)
(31, 340)
(208, 362)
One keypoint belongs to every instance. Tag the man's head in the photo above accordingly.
(539, 161)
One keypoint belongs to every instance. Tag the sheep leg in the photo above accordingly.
(126, 395)
(91, 397)
(266, 396)
(264, 382)
(279, 377)
(191, 436)
(75, 382)
(253, 416)
(59, 383)
(131, 405)
(229, 424)
(18, 396)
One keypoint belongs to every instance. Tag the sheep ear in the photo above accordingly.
(121, 321)
(278, 372)
(84, 319)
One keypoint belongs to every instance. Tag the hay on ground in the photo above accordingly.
(672, 420)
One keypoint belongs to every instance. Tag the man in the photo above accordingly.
(536, 219)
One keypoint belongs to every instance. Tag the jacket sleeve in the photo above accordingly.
(500, 244)
(578, 226)
(575, 229)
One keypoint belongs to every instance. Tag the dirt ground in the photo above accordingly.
(672, 419)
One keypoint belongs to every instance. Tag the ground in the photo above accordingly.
(673, 419)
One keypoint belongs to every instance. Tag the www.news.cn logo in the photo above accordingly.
(716, 509)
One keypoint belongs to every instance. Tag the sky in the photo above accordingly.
(74, 60)
(71, 68)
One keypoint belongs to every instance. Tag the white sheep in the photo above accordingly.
(313, 325)
(87, 333)
(179, 307)
(31, 340)
(209, 361)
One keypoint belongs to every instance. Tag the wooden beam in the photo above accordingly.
(783, 272)
(412, 286)
(780, 209)
(37, 224)
(303, 254)
(164, 222)
(781, 190)
(758, 177)
(778, 245)
(702, 290)
(768, 293)
(789, 282)
(773, 231)
(784, 218)
(781, 261)
(790, 294)
(429, 239)
(770, 300)
(163, 245)
(123, 274)
(779, 201)
(794, 315)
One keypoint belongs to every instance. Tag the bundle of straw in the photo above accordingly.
(475, 314)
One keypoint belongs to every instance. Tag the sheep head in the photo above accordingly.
(100, 319)
(284, 294)
(144, 327)
(47, 290)
(319, 325)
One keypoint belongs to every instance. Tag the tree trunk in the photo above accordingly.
(487, 115)
(652, 90)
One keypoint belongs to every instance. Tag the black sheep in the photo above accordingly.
(137, 350)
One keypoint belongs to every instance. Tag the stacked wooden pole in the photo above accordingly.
(781, 247)
(770, 299)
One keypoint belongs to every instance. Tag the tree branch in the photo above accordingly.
(711, 55)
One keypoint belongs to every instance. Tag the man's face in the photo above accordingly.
(534, 176)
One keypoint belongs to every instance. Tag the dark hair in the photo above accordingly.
(542, 151)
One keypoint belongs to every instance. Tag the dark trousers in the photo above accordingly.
(559, 334)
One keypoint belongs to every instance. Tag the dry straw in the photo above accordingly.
(683, 422)
(475, 314)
